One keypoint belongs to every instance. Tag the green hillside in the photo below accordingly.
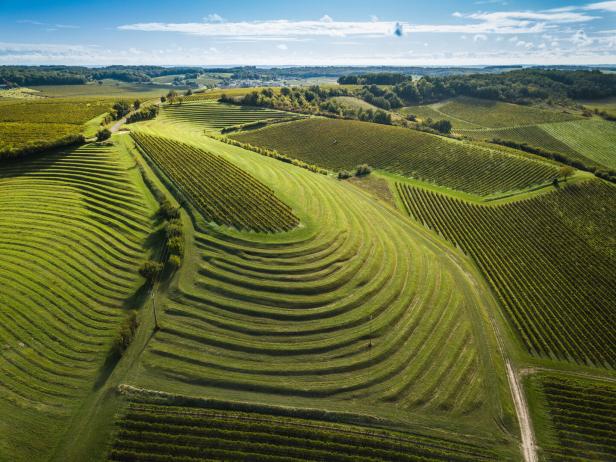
(72, 231)
(550, 259)
(343, 144)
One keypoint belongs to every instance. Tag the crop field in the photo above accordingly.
(216, 93)
(343, 144)
(109, 89)
(223, 193)
(148, 432)
(579, 417)
(71, 236)
(425, 112)
(550, 259)
(362, 314)
(594, 139)
(45, 120)
(213, 115)
(495, 114)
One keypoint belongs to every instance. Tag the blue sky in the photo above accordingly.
(272, 32)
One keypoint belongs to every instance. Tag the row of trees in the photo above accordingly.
(519, 86)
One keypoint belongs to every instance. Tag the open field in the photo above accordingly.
(363, 314)
(575, 417)
(110, 88)
(72, 231)
(343, 144)
(550, 259)
(213, 115)
(496, 114)
(223, 193)
(353, 103)
(170, 433)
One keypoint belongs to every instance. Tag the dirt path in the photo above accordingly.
(529, 448)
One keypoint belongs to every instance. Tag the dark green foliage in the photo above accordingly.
(120, 108)
(143, 114)
(103, 134)
(344, 174)
(176, 245)
(40, 146)
(150, 270)
(363, 170)
(168, 211)
(442, 126)
(137, 104)
(174, 262)
(125, 334)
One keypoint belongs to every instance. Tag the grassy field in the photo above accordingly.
(213, 115)
(425, 112)
(223, 193)
(363, 315)
(167, 432)
(574, 417)
(550, 259)
(343, 144)
(495, 114)
(351, 102)
(72, 234)
(110, 88)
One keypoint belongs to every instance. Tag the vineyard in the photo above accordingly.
(223, 193)
(364, 310)
(550, 260)
(148, 432)
(496, 114)
(213, 115)
(425, 112)
(343, 144)
(45, 120)
(71, 234)
(580, 418)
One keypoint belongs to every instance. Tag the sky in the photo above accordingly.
(316, 32)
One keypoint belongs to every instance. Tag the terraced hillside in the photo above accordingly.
(364, 310)
(343, 144)
(223, 193)
(212, 115)
(549, 258)
(576, 417)
(72, 231)
(158, 432)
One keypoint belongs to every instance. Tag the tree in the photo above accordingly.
(363, 170)
(151, 269)
(121, 108)
(103, 135)
(442, 126)
(344, 174)
(163, 99)
(137, 104)
(566, 171)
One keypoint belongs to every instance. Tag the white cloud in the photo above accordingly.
(601, 6)
(325, 27)
(480, 38)
(524, 44)
(282, 46)
(215, 18)
(580, 39)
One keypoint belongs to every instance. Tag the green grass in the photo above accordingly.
(355, 310)
(72, 231)
(424, 112)
(110, 88)
(594, 139)
(576, 415)
(350, 102)
(496, 114)
(223, 193)
(550, 259)
(343, 144)
(212, 115)
(170, 433)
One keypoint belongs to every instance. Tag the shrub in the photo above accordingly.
(125, 335)
(175, 261)
(168, 211)
(176, 246)
(442, 126)
(150, 270)
(344, 174)
(173, 228)
(363, 170)
(103, 135)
